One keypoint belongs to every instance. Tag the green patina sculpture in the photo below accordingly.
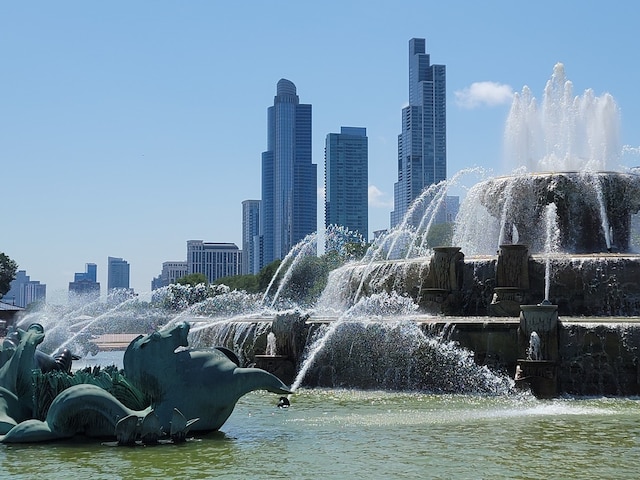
(186, 390)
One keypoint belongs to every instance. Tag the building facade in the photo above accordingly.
(250, 237)
(171, 271)
(289, 178)
(84, 286)
(90, 273)
(422, 145)
(346, 180)
(214, 260)
(117, 274)
(24, 291)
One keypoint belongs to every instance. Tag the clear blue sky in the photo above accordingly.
(130, 127)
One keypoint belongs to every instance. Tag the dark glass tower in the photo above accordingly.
(346, 180)
(422, 145)
(117, 274)
(289, 179)
(250, 236)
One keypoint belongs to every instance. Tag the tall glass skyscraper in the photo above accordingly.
(250, 237)
(422, 145)
(117, 274)
(289, 202)
(346, 180)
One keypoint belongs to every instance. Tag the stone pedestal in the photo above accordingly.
(512, 281)
(506, 302)
(291, 331)
(539, 373)
(512, 269)
(542, 319)
(445, 269)
(443, 283)
(436, 300)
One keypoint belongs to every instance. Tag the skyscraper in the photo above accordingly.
(346, 180)
(90, 274)
(250, 237)
(117, 274)
(24, 291)
(289, 178)
(422, 145)
(84, 285)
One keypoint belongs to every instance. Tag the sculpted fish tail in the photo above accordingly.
(258, 379)
(86, 406)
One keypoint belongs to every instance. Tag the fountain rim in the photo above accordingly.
(550, 173)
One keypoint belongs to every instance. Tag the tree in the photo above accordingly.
(440, 234)
(193, 279)
(356, 250)
(308, 279)
(266, 274)
(248, 283)
(7, 273)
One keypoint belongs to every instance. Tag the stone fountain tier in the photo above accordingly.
(580, 197)
(591, 356)
(583, 285)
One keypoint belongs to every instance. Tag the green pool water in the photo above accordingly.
(355, 434)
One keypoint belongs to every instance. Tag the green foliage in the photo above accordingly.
(356, 250)
(266, 274)
(308, 279)
(440, 234)
(247, 283)
(8, 270)
(193, 279)
(178, 297)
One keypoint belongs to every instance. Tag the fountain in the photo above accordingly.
(444, 318)
(563, 218)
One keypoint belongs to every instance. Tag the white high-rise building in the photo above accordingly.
(214, 260)
(171, 271)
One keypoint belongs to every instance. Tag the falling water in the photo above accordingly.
(504, 219)
(306, 246)
(337, 239)
(398, 354)
(271, 349)
(366, 308)
(435, 206)
(604, 219)
(407, 241)
(72, 326)
(551, 244)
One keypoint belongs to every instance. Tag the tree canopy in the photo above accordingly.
(8, 270)
(193, 279)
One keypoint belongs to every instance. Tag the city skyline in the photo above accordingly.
(132, 144)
